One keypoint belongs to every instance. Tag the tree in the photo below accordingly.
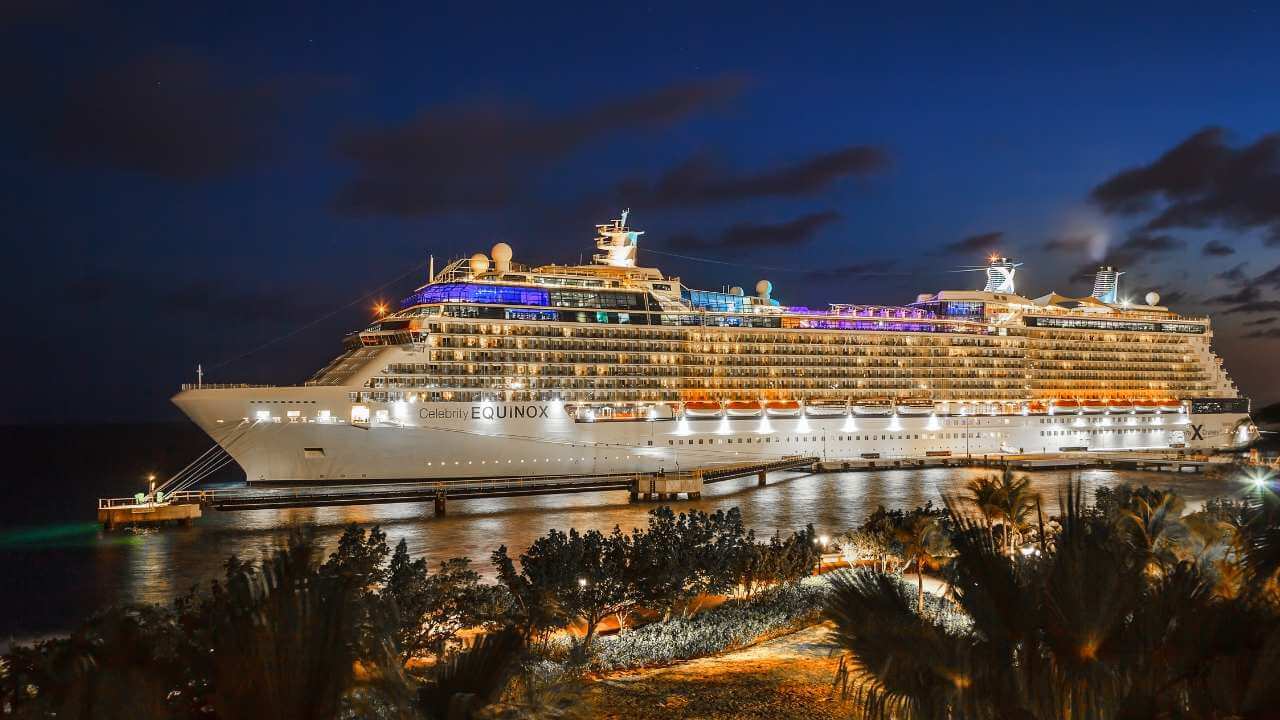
(922, 541)
(433, 607)
(1080, 632)
(579, 571)
(360, 557)
(534, 610)
(1014, 501)
(982, 492)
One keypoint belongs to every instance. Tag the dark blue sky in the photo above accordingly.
(184, 185)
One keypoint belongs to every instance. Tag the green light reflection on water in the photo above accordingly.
(62, 535)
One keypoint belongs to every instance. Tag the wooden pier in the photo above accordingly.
(186, 505)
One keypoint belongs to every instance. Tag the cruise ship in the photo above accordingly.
(496, 369)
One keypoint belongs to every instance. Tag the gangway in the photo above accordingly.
(186, 504)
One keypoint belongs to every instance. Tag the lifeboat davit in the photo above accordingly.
(915, 407)
(702, 409)
(782, 408)
(1170, 406)
(1146, 406)
(826, 407)
(1093, 406)
(1065, 406)
(743, 408)
(1119, 406)
(873, 407)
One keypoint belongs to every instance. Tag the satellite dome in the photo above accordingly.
(763, 288)
(479, 263)
(501, 254)
(1153, 298)
(735, 290)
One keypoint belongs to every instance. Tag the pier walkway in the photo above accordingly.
(187, 505)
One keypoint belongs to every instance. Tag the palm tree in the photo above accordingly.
(1154, 529)
(1015, 503)
(981, 492)
(1081, 632)
(922, 541)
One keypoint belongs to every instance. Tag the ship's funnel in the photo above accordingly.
(1106, 284)
(1000, 275)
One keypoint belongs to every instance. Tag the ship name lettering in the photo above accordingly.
(500, 412)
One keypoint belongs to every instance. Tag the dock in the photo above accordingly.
(187, 505)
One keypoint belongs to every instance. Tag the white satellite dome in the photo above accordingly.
(479, 263)
(735, 290)
(764, 288)
(501, 254)
(1153, 298)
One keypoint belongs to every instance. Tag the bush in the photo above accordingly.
(735, 624)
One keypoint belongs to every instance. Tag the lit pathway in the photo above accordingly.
(789, 677)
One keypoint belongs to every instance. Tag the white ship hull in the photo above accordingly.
(318, 443)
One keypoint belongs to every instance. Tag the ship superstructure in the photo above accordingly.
(495, 368)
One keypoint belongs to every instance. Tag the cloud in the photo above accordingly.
(1200, 183)
(761, 235)
(1142, 243)
(1264, 334)
(1076, 243)
(483, 156)
(1174, 297)
(1246, 294)
(869, 267)
(975, 244)
(1214, 248)
(1254, 307)
(1261, 321)
(1234, 275)
(171, 114)
(1138, 247)
(701, 180)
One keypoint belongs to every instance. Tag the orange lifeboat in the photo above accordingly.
(1146, 406)
(743, 408)
(1068, 406)
(1037, 408)
(1093, 406)
(1120, 406)
(702, 409)
(1170, 406)
(782, 408)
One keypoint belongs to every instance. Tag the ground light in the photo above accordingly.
(933, 422)
(850, 425)
(764, 428)
(682, 427)
(894, 425)
(803, 425)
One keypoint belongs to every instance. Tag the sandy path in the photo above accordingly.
(786, 677)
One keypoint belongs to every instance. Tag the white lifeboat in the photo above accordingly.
(743, 408)
(915, 407)
(826, 407)
(875, 408)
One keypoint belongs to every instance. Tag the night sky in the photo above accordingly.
(237, 186)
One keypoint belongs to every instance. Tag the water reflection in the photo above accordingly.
(75, 577)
